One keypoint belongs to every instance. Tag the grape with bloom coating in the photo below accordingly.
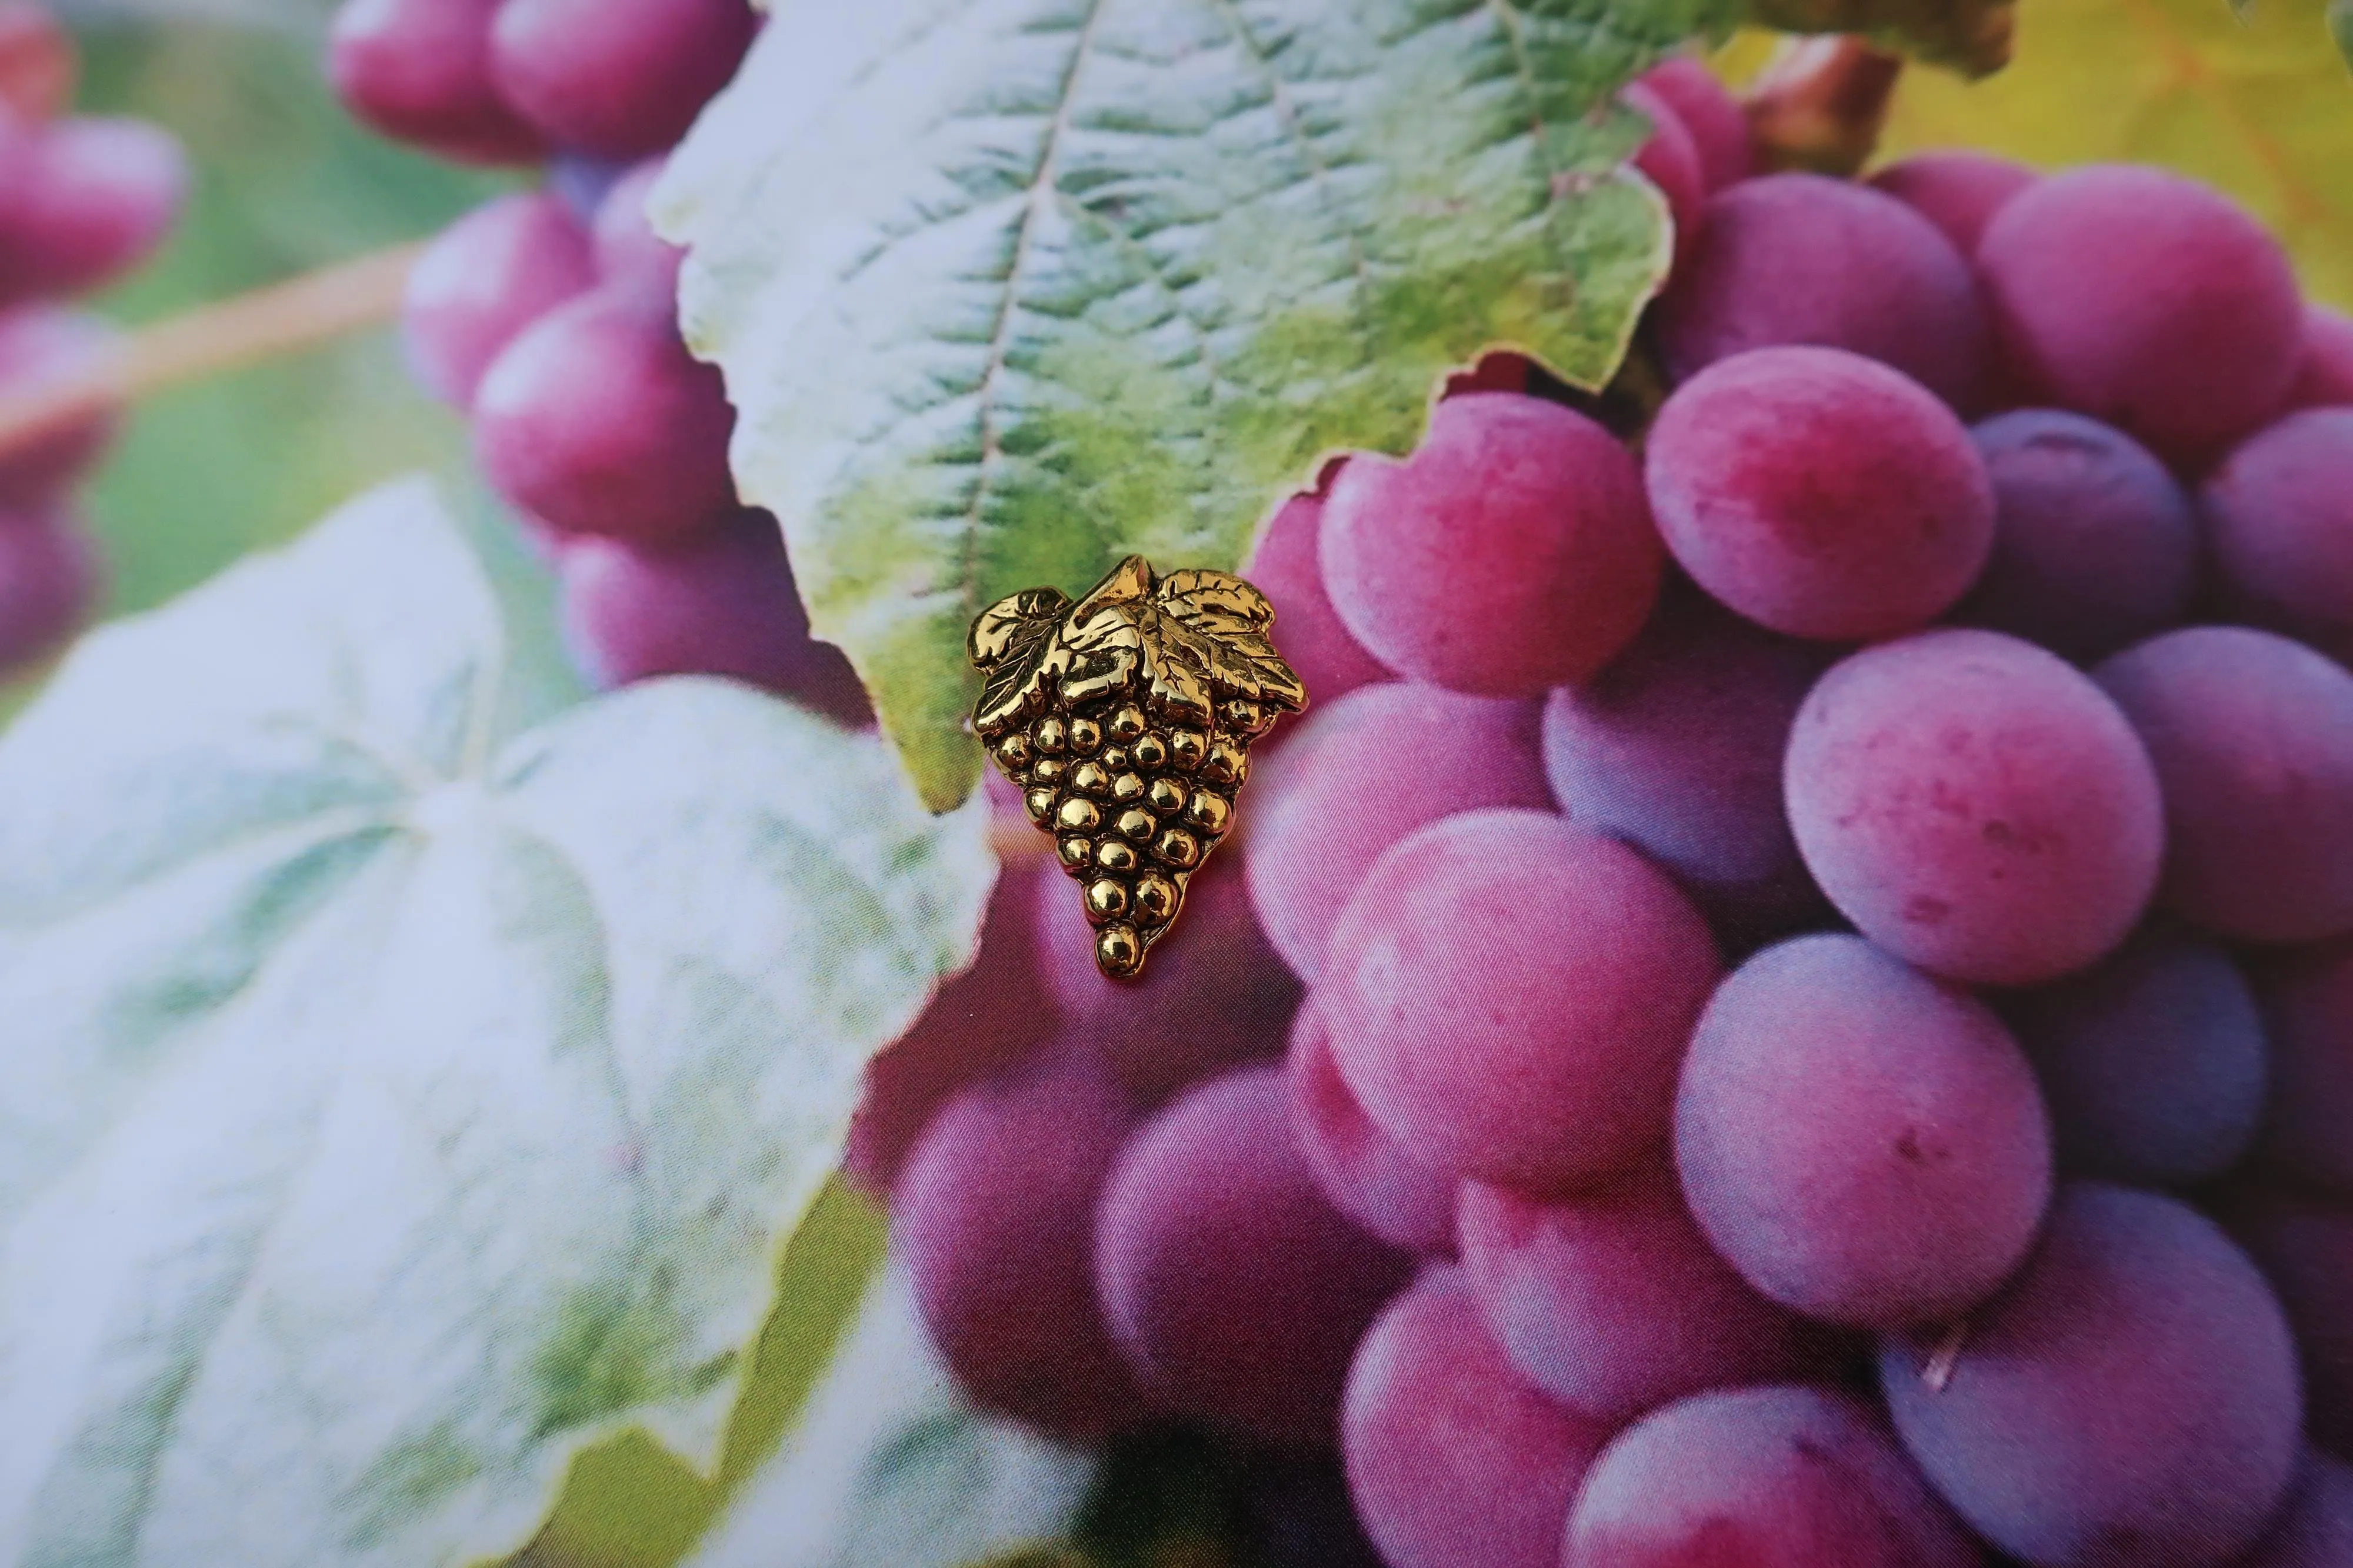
(1818, 493)
(50, 576)
(1670, 160)
(618, 79)
(2252, 736)
(419, 71)
(2146, 301)
(1360, 1168)
(1566, 565)
(1718, 128)
(1612, 1302)
(1863, 1143)
(82, 201)
(1509, 995)
(629, 254)
(1453, 1461)
(1959, 190)
(1975, 807)
(2279, 518)
(485, 279)
(2324, 373)
(1288, 569)
(2132, 1400)
(1791, 259)
(1761, 1478)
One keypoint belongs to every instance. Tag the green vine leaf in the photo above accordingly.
(1007, 290)
(392, 1105)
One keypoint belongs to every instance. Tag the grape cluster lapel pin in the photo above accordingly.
(1127, 718)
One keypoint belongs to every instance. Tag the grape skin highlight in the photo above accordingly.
(2279, 517)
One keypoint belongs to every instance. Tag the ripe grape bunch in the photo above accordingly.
(1128, 718)
(550, 317)
(1791, 1002)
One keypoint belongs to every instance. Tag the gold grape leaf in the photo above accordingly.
(2262, 107)
(1010, 645)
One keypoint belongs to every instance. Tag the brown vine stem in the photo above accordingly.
(278, 319)
(1821, 104)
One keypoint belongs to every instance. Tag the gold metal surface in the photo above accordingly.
(1127, 718)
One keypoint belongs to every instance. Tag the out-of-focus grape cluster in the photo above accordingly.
(549, 318)
(1792, 1001)
(83, 199)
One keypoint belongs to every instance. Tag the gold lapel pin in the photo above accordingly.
(1126, 718)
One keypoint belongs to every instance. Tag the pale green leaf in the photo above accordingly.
(1006, 289)
(390, 1107)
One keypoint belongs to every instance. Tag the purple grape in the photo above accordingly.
(1863, 1143)
(487, 277)
(1796, 259)
(1567, 561)
(2324, 373)
(1215, 994)
(2132, 1401)
(1671, 161)
(2305, 1246)
(1334, 796)
(1452, 1460)
(1360, 1168)
(2095, 546)
(1288, 569)
(1509, 995)
(1820, 494)
(1975, 807)
(719, 602)
(617, 77)
(2145, 299)
(2279, 513)
(2152, 1061)
(419, 71)
(38, 344)
(629, 254)
(2253, 739)
(1613, 1304)
(991, 1017)
(2315, 1530)
(1761, 1478)
(994, 1217)
(1719, 131)
(2306, 994)
(1676, 748)
(1958, 189)
(51, 574)
(595, 420)
(1235, 1291)
(82, 201)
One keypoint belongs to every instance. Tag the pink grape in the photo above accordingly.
(2152, 1061)
(2324, 373)
(2253, 739)
(39, 62)
(1235, 1291)
(1820, 494)
(1453, 1461)
(2145, 299)
(2307, 999)
(718, 602)
(1719, 130)
(617, 77)
(1360, 1168)
(2315, 1530)
(629, 254)
(419, 71)
(486, 277)
(992, 1016)
(595, 420)
(38, 342)
(1288, 568)
(2132, 1400)
(1863, 1143)
(1670, 159)
(1509, 995)
(84, 200)
(1958, 189)
(1612, 1302)
(1304, 859)
(1567, 561)
(1761, 1478)
(994, 1217)
(51, 573)
(1799, 259)
(1975, 807)
(2279, 516)
(2095, 546)
(1676, 748)
(1214, 995)
(2305, 1246)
